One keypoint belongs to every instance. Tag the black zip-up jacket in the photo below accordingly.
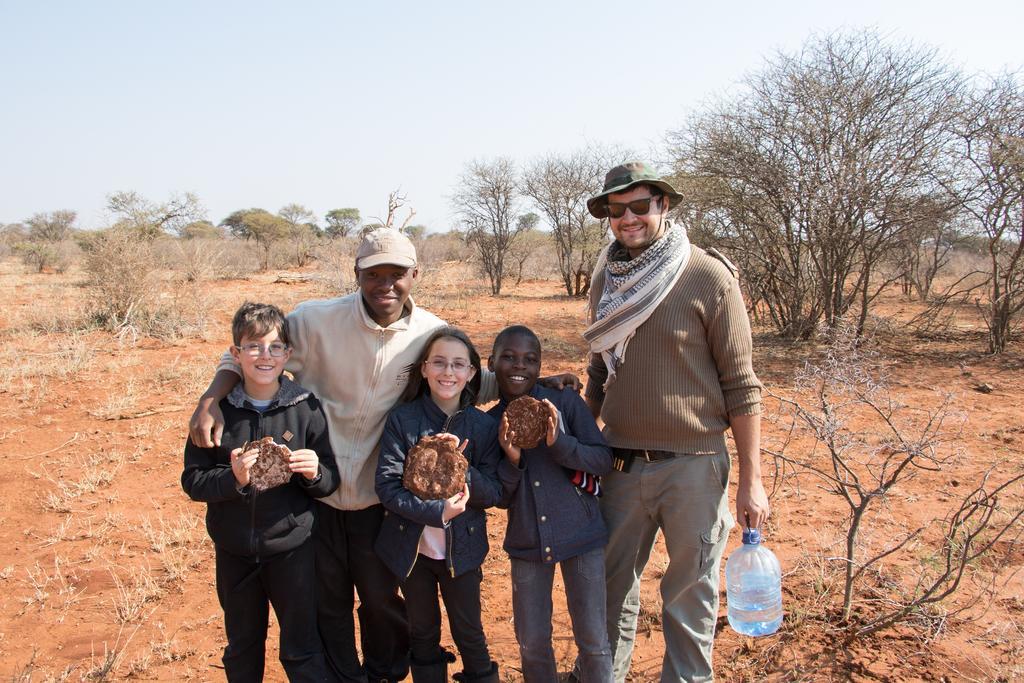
(466, 535)
(549, 518)
(259, 524)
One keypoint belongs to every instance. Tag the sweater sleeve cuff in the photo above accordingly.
(228, 363)
(309, 483)
(743, 402)
(488, 387)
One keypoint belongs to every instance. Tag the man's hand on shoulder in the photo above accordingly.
(566, 380)
(207, 423)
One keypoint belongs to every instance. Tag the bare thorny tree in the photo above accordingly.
(396, 200)
(487, 202)
(866, 466)
(807, 179)
(989, 185)
(560, 185)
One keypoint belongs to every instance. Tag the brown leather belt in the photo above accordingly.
(622, 458)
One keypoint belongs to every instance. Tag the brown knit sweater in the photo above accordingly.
(686, 370)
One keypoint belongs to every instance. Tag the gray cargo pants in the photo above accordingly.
(686, 497)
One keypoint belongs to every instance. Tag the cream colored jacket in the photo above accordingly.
(358, 370)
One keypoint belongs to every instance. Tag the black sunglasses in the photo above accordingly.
(639, 207)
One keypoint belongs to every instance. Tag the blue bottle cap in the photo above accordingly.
(751, 536)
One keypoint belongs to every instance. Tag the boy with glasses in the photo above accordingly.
(263, 536)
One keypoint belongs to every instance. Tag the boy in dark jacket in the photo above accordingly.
(262, 537)
(553, 517)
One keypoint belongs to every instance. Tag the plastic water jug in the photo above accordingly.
(753, 587)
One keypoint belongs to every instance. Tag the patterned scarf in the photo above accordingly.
(633, 288)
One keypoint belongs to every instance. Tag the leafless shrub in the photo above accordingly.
(128, 295)
(181, 312)
(238, 260)
(989, 185)
(41, 257)
(439, 248)
(105, 667)
(194, 259)
(448, 288)
(121, 277)
(865, 444)
(178, 543)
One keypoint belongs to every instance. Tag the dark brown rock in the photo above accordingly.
(528, 421)
(271, 468)
(435, 469)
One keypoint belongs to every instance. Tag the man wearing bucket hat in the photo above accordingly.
(670, 372)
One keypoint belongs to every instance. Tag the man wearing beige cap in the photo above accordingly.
(354, 353)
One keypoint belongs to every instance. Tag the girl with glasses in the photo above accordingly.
(440, 545)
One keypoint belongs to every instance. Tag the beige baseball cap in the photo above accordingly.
(385, 245)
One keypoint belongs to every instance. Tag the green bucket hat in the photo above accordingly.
(625, 176)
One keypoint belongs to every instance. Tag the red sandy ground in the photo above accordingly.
(106, 572)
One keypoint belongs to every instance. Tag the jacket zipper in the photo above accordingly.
(416, 556)
(364, 408)
(447, 551)
(449, 539)
(448, 543)
(252, 495)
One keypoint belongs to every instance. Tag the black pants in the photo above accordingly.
(345, 560)
(461, 600)
(244, 587)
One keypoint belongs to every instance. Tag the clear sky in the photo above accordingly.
(334, 104)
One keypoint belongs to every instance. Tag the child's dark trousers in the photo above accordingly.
(246, 587)
(462, 602)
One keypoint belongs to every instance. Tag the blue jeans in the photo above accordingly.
(583, 577)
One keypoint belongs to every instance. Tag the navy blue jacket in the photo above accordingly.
(466, 535)
(550, 519)
(244, 521)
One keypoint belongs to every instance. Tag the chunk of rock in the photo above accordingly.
(271, 468)
(435, 468)
(528, 421)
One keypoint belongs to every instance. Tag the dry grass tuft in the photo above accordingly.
(134, 592)
(184, 377)
(98, 470)
(44, 585)
(180, 545)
